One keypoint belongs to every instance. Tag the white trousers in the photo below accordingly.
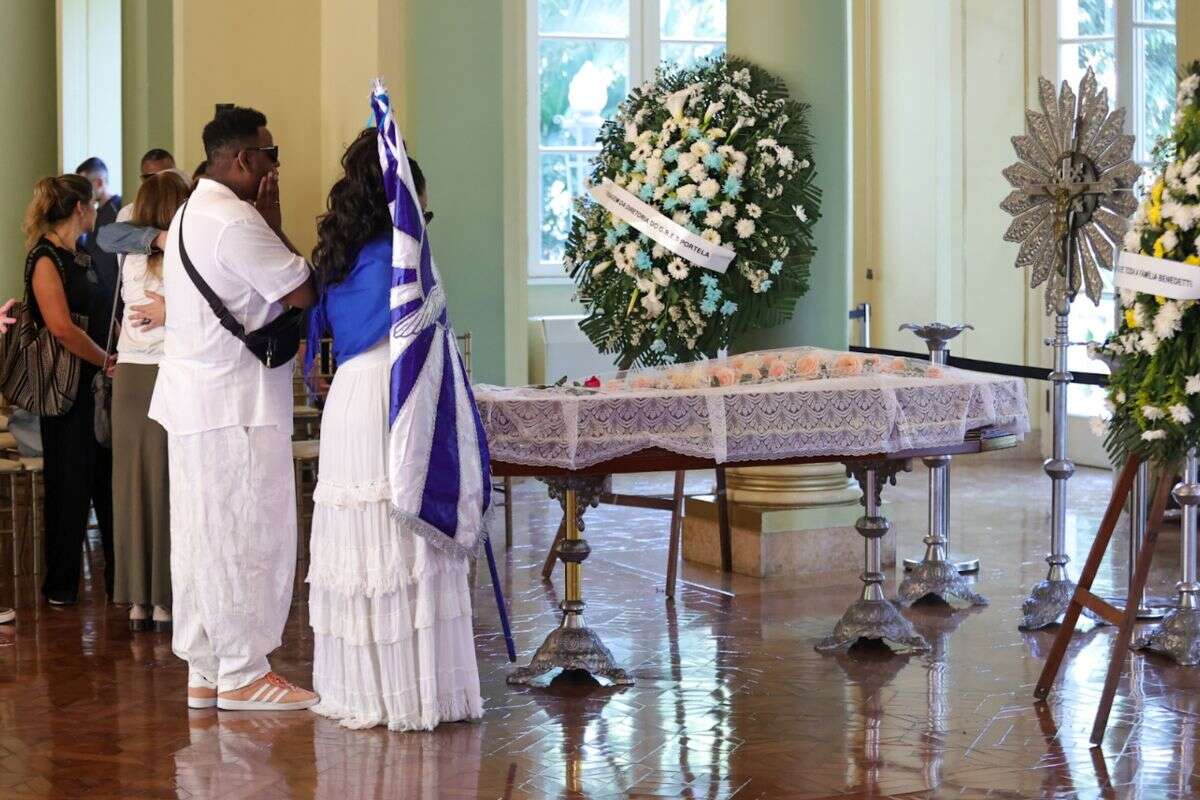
(233, 550)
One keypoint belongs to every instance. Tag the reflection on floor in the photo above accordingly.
(731, 699)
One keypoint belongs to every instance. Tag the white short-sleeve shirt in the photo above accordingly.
(207, 379)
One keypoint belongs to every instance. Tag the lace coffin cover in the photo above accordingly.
(777, 404)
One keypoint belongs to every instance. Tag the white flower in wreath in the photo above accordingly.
(1154, 435)
(652, 305)
(1152, 413)
(1181, 414)
(590, 241)
(660, 277)
(737, 169)
(744, 228)
(677, 269)
(1132, 242)
(728, 209)
(1193, 384)
(712, 237)
(698, 173)
(681, 218)
(631, 133)
(709, 189)
(766, 143)
(687, 193)
(713, 109)
(1168, 320)
(1099, 426)
(753, 211)
(716, 133)
(713, 219)
(786, 156)
(599, 268)
(700, 148)
(1148, 343)
(654, 168)
(687, 161)
(801, 214)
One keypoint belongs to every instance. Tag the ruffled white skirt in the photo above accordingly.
(391, 615)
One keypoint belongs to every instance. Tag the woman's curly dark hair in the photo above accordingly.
(357, 210)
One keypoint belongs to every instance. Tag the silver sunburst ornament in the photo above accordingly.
(1072, 190)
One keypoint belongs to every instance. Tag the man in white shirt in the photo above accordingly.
(229, 425)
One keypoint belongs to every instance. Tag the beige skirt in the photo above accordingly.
(141, 492)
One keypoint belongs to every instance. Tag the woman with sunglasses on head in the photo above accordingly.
(391, 613)
(77, 469)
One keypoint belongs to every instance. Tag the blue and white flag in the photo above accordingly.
(437, 452)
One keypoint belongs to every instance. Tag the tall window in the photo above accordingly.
(1130, 44)
(584, 57)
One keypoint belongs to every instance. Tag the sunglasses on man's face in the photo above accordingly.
(271, 151)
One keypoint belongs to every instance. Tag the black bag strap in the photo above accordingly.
(224, 315)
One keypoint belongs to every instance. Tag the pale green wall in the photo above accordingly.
(553, 299)
(28, 123)
(146, 84)
(455, 130)
(806, 44)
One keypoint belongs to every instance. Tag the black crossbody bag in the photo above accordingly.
(274, 344)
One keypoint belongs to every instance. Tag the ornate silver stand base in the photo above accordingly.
(573, 645)
(872, 616)
(570, 647)
(936, 574)
(1047, 602)
(938, 578)
(1177, 636)
(874, 619)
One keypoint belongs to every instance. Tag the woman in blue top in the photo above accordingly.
(391, 614)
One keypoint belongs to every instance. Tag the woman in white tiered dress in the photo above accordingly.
(390, 612)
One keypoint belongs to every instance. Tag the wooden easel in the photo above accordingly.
(1084, 598)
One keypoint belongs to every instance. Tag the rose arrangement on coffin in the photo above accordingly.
(719, 158)
(1154, 391)
(762, 368)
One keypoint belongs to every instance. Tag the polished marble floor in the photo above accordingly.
(731, 699)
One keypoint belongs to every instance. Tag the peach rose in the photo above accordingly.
(725, 376)
(643, 382)
(873, 361)
(777, 370)
(808, 365)
(614, 385)
(737, 363)
(846, 365)
(898, 365)
(934, 372)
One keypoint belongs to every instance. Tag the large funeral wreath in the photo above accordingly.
(722, 151)
(1154, 392)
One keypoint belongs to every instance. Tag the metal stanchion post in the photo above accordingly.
(1178, 635)
(937, 338)
(1048, 600)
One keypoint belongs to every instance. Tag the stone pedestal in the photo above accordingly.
(796, 520)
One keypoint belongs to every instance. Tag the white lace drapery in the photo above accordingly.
(795, 403)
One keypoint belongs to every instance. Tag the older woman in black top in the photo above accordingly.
(78, 470)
